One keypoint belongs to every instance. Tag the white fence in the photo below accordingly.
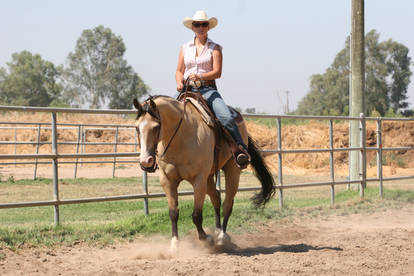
(55, 156)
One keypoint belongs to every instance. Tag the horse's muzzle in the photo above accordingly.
(153, 164)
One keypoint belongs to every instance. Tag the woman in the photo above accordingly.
(201, 61)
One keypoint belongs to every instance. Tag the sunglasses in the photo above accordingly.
(198, 24)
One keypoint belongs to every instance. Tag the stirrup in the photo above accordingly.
(242, 157)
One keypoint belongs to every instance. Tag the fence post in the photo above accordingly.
(37, 152)
(379, 155)
(83, 144)
(145, 188)
(348, 186)
(15, 145)
(115, 150)
(363, 156)
(135, 139)
(55, 168)
(279, 155)
(331, 162)
(75, 174)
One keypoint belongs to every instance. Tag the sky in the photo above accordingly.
(269, 47)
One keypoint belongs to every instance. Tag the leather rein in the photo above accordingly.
(176, 130)
(185, 88)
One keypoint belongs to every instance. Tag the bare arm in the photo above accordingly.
(179, 73)
(217, 65)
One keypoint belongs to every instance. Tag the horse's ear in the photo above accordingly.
(137, 105)
(153, 105)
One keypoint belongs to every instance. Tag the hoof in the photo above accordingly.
(209, 241)
(174, 246)
(223, 239)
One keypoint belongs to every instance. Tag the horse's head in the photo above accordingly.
(148, 123)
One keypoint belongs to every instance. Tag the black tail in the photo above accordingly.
(262, 173)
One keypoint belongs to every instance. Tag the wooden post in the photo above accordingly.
(358, 82)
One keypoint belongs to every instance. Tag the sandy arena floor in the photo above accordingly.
(360, 244)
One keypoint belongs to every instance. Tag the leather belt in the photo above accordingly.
(200, 83)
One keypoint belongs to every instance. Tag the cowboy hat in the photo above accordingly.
(200, 16)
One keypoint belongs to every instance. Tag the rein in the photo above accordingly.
(176, 129)
(185, 88)
(152, 110)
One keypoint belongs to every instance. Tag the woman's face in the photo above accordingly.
(200, 28)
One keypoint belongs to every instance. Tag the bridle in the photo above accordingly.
(150, 107)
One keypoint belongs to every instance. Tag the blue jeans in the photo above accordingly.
(223, 113)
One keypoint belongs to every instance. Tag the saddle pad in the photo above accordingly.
(206, 117)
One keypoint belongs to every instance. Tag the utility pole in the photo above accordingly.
(287, 102)
(357, 95)
(283, 108)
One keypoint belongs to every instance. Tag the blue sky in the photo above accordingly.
(269, 47)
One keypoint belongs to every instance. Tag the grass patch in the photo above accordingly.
(107, 222)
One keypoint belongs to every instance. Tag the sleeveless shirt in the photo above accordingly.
(200, 64)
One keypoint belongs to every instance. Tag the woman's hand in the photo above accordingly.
(180, 86)
(194, 77)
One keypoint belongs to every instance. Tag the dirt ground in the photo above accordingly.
(360, 244)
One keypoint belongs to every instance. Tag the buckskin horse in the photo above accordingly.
(174, 138)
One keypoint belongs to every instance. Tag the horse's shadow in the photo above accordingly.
(233, 249)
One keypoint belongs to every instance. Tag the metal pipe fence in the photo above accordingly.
(80, 143)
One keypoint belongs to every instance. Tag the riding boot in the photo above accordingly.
(241, 155)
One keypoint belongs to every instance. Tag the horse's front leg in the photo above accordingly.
(173, 212)
(171, 191)
(200, 190)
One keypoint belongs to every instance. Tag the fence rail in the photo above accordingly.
(55, 156)
(81, 143)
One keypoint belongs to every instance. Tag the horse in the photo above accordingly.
(174, 138)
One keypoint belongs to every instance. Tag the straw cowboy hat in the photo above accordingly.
(202, 17)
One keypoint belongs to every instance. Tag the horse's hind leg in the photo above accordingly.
(232, 177)
(215, 199)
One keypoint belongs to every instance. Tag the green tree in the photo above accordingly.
(251, 110)
(98, 74)
(398, 64)
(29, 81)
(387, 76)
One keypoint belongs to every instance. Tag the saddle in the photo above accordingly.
(197, 100)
